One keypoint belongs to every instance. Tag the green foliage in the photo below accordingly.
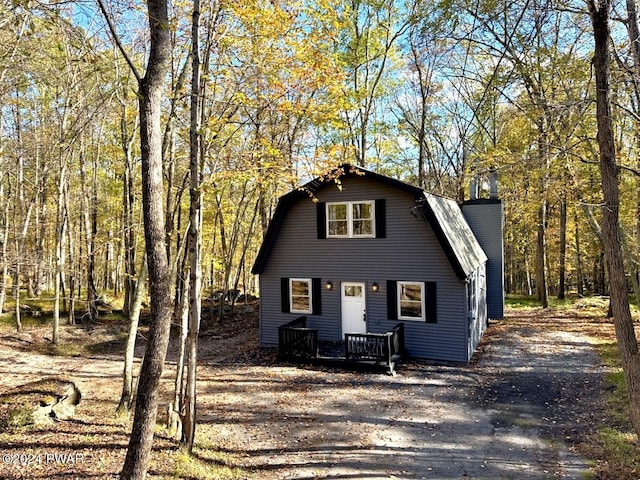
(596, 305)
(205, 463)
(616, 436)
(17, 418)
(621, 448)
(292, 88)
(521, 301)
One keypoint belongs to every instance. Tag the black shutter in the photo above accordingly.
(316, 296)
(381, 218)
(392, 300)
(284, 295)
(321, 218)
(432, 307)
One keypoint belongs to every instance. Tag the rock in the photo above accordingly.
(65, 407)
(42, 402)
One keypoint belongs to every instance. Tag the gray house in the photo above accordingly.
(376, 252)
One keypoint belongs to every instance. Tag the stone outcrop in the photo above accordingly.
(41, 402)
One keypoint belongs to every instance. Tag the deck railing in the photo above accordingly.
(384, 348)
(295, 340)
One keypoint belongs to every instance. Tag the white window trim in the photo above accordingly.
(472, 292)
(310, 286)
(423, 303)
(350, 219)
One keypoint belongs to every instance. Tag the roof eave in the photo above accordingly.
(441, 236)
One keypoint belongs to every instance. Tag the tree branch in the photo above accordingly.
(116, 39)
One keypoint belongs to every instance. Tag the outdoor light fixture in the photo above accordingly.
(374, 287)
(329, 285)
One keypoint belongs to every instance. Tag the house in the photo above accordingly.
(377, 251)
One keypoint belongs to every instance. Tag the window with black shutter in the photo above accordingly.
(301, 295)
(412, 301)
(354, 219)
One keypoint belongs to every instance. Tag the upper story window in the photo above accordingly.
(351, 219)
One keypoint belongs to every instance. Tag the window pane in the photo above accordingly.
(350, 219)
(300, 304)
(411, 291)
(411, 309)
(338, 228)
(362, 227)
(361, 211)
(353, 291)
(338, 211)
(337, 220)
(410, 300)
(299, 288)
(300, 296)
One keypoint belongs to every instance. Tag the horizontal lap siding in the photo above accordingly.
(486, 221)
(409, 252)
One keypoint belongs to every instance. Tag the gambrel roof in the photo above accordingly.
(454, 234)
(443, 215)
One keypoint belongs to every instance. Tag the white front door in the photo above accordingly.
(353, 308)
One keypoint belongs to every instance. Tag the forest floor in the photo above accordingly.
(528, 406)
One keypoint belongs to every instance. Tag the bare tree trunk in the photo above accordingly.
(128, 202)
(528, 273)
(150, 100)
(541, 257)
(90, 226)
(42, 235)
(174, 416)
(625, 333)
(73, 277)
(563, 249)
(634, 270)
(126, 397)
(5, 239)
(634, 41)
(579, 272)
(194, 240)
(21, 219)
(59, 251)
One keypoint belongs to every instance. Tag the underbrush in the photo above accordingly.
(205, 463)
(616, 438)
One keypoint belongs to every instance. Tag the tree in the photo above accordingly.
(625, 332)
(126, 397)
(150, 90)
(372, 31)
(194, 239)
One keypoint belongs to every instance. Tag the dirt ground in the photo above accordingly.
(522, 409)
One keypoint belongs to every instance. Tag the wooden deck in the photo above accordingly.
(296, 342)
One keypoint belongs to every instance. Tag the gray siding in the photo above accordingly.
(485, 217)
(409, 252)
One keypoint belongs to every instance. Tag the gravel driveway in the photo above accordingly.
(515, 413)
